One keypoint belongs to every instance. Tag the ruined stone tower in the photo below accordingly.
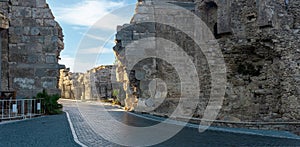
(31, 42)
(259, 43)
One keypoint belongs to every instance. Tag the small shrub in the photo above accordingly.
(116, 97)
(116, 102)
(105, 100)
(115, 93)
(50, 103)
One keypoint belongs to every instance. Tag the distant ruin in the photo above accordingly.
(31, 42)
(259, 40)
(95, 84)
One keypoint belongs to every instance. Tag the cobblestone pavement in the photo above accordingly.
(84, 132)
(187, 137)
(37, 132)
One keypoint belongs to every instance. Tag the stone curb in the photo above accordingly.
(266, 133)
(73, 131)
(20, 120)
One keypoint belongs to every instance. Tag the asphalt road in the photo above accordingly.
(187, 137)
(37, 132)
(87, 119)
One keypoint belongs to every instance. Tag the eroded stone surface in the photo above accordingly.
(31, 44)
(92, 85)
(259, 42)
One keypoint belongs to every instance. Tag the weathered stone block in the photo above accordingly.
(52, 48)
(35, 31)
(51, 59)
(48, 82)
(47, 31)
(144, 9)
(41, 3)
(27, 3)
(16, 31)
(32, 59)
(16, 39)
(266, 13)
(15, 22)
(42, 13)
(35, 47)
(39, 22)
(28, 22)
(24, 83)
(21, 12)
(49, 23)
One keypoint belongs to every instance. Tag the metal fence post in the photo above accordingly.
(9, 108)
(24, 108)
(2, 108)
(23, 105)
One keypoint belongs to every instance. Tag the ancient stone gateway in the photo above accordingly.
(258, 40)
(31, 42)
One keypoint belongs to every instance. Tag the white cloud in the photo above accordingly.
(99, 50)
(98, 38)
(83, 66)
(110, 22)
(68, 61)
(77, 65)
(88, 12)
(78, 28)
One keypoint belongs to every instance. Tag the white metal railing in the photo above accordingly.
(20, 108)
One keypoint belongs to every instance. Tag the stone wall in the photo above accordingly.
(259, 42)
(92, 85)
(30, 48)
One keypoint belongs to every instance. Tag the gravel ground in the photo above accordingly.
(38, 132)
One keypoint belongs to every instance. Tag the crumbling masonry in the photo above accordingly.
(259, 40)
(95, 84)
(31, 42)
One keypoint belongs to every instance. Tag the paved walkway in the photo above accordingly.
(89, 119)
(91, 126)
(83, 131)
(37, 132)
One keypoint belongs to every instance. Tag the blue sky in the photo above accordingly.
(89, 27)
